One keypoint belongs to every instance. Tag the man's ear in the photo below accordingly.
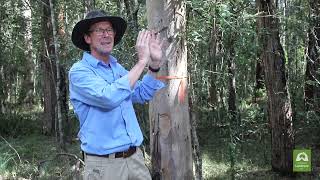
(87, 39)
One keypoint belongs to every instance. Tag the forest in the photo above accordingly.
(242, 95)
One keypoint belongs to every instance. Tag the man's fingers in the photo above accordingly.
(147, 36)
(143, 37)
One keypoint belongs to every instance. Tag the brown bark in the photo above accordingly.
(232, 82)
(66, 124)
(259, 76)
(56, 57)
(279, 106)
(170, 137)
(48, 71)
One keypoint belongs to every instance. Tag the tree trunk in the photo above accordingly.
(49, 72)
(132, 8)
(234, 122)
(232, 108)
(66, 124)
(26, 95)
(312, 86)
(279, 106)
(2, 92)
(2, 74)
(259, 81)
(170, 137)
(58, 82)
(259, 78)
(196, 153)
(232, 83)
(214, 54)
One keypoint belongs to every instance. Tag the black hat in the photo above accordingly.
(82, 27)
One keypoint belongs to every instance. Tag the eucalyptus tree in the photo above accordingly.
(170, 137)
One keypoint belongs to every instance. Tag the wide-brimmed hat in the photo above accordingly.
(119, 25)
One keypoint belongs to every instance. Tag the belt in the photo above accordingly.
(124, 154)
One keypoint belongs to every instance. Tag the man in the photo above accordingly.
(102, 93)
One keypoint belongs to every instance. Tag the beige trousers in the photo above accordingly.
(131, 168)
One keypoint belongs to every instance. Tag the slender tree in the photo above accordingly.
(215, 42)
(2, 79)
(196, 153)
(169, 118)
(232, 79)
(26, 95)
(48, 71)
(63, 42)
(58, 82)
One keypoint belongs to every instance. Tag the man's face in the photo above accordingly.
(101, 38)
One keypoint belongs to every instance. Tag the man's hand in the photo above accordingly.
(142, 46)
(143, 51)
(155, 47)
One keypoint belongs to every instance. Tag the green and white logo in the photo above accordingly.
(302, 160)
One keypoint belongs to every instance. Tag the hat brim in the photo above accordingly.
(82, 27)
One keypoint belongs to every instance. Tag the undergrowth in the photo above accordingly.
(37, 157)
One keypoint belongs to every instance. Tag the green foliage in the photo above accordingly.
(223, 159)
(19, 124)
(224, 142)
(74, 122)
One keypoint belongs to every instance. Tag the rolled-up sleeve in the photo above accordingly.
(87, 87)
(146, 88)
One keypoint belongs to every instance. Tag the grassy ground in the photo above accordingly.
(252, 158)
(252, 163)
(36, 157)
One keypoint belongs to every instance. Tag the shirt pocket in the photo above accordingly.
(105, 74)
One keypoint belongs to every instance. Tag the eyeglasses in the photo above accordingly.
(100, 31)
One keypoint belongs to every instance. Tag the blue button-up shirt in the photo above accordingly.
(102, 99)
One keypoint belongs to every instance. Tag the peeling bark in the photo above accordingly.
(170, 123)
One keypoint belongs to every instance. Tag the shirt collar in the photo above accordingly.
(94, 62)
